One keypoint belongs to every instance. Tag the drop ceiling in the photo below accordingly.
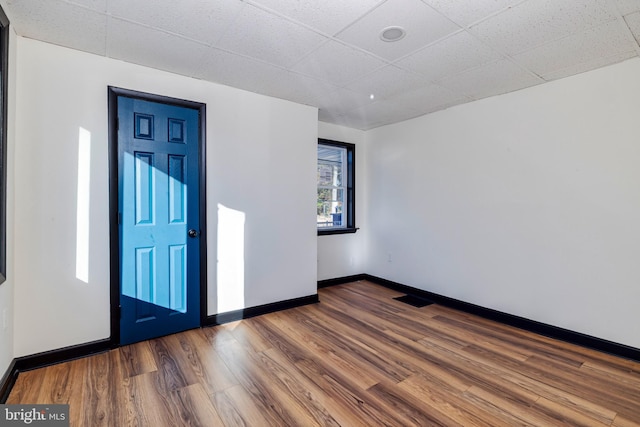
(328, 53)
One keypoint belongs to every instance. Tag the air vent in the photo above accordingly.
(414, 300)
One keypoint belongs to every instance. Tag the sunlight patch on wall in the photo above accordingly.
(83, 198)
(230, 281)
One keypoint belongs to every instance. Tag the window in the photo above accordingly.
(336, 187)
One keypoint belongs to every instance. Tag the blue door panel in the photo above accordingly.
(158, 201)
(178, 277)
(143, 187)
(177, 190)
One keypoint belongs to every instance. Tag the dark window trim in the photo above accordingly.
(351, 189)
(4, 86)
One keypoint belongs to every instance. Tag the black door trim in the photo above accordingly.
(114, 239)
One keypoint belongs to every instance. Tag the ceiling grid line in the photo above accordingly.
(625, 26)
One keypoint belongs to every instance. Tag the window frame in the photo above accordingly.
(4, 87)
(350, 189)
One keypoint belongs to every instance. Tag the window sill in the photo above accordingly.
(337, 231)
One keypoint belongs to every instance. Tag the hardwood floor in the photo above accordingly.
(359, 358)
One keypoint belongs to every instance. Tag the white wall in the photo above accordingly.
(528, 203)
(341, 255)
(6, 289)
(260, 162)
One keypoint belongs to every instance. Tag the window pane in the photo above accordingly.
(330, 174)
(330, 154)
(329, 207)
(325, 174)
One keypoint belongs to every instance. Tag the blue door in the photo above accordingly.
(159, 227)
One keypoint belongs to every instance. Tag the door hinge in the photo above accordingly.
(119, 218)
(119, 312)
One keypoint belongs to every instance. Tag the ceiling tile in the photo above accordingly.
(342, 101)
(428, 109)
(265, 36)
(490, 79)
(97, 5)
(328, 116)
(347, 121)
(302, 89)
(423, 25)
(589, 65)
(146, 46)
(387, 81)
(209, 22)
(381, 113)
(452, 55)
(260, 77)
(238, 71)
(430, 98)
(466, 12)
(328, 16)
(633, 22)
(534, 23)
(60, 23)
(605, 40)
(337, 63)
(627, 6)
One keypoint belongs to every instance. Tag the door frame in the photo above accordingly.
(114, 236)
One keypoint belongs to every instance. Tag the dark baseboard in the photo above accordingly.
(231, 316)
(8, 380)
(47, 358)
(340, 280)
(550, 331)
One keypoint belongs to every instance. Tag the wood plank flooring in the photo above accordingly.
(359, 358)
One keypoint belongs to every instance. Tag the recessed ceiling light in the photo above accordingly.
(372, 97)
(392, 34)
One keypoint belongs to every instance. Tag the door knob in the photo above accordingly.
(192, 233)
